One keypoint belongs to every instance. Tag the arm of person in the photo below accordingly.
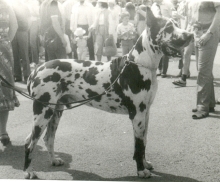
(216, 21)
(57, 28)
(13, 24)
(213, 27)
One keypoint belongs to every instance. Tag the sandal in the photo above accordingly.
(211, 109)
(179, 82)
(5, 140)
(200, 115)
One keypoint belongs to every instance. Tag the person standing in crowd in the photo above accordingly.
(82, 16)
(20, 43)
(52, 29)
(34, 7)
(115, 13)
(126, 32)
(130, 8)
(81, 42)
(204, 16)
(185, 73)
(67, 6)
(103, 28)
(8, 99)
(162, 8)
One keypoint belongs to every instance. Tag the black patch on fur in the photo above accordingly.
(139, 153)
(48, 114)
(64, 85)
(132, 78)
(116, 66)
(55, 77)
(80, 87)
(57, 64)
(37, 106)
(117, 100)
(139, 46)
(98, 63)
(89, 76)
(113, 108)
(69, 75)
(87, 63)
(92, 94)
(77, 75)
(37, 131)
(109, 95)
(169, 29)
(106, 85)
(142, 106)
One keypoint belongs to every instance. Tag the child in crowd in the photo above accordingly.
(81, 42)
(126, 32)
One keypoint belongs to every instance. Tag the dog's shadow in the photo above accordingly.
(14, 156)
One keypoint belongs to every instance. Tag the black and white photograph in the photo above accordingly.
(110, 90)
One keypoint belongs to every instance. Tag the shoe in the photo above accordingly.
(163, 75)
(5, 140)
(211, 109)
(218, 101)
(200, 115)
(179, 82)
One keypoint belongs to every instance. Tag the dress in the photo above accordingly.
(8, 100)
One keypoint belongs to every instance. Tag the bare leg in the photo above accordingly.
(4, 138)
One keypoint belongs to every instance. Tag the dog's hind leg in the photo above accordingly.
(50, 136)
(42, 116)
(140, 125)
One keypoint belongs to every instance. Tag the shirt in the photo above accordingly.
(125, 28)
(201, 11)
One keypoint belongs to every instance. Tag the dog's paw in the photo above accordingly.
(30, 175)
(144, 174)
(57, 162)
(148, 165)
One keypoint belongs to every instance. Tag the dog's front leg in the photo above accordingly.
(140, 125)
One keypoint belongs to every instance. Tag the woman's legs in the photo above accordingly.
(3, 122)
(5, 140)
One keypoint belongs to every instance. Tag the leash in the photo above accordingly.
(6, 84)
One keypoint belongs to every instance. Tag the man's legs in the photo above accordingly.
(186, 64)
(205, 87)
(23, 52)
(17, 63)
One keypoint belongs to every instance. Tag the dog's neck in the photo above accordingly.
(145, 52)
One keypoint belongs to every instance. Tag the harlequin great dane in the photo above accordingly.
(66, 80)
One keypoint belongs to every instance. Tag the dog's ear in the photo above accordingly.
(150, 18)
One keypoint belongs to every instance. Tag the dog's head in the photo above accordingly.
(166, 35)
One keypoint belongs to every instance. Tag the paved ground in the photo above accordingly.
(99, 146)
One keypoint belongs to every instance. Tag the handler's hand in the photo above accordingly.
(204, 39)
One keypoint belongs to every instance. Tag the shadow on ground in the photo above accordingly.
(14, 156)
